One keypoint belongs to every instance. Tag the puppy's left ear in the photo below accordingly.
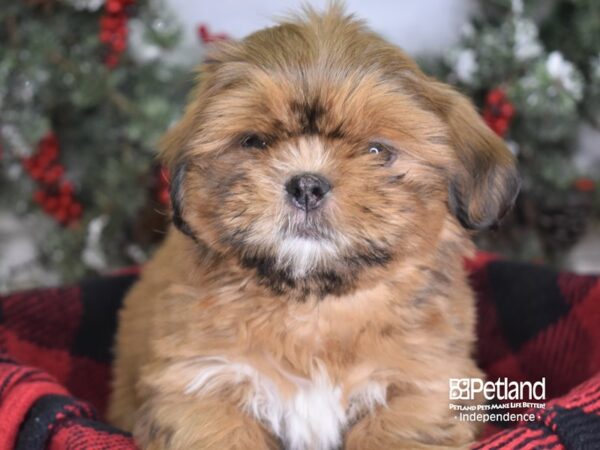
(484, 183)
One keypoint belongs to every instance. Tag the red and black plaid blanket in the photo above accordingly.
(55, 353)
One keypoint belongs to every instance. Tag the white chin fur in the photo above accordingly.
(304, 255)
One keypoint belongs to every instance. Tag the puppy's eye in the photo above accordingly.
(384, 152)
(254, 141)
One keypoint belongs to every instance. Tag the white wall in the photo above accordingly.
(424, 26)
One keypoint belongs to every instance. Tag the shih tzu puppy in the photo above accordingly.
(311, 292)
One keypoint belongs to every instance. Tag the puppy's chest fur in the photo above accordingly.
(306, 371)
(300, 373)
(305, 412)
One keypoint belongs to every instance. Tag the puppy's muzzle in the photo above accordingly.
(307, 191)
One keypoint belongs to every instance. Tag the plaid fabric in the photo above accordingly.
(533, 323)
(68, 333)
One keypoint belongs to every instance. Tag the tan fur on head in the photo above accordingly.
(266, 320)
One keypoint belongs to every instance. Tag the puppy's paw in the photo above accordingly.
(379, 442)
(185, 423)
(149, 432)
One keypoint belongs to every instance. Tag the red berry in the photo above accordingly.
(75, 210)
(61, 215)
(584, 184)
(65, 201)
(53, 174)
(44, 161)
(51, 204)
(110, 23)
(164, 197)
(105, 36)
(28, 164)
(39, 196)
(59, 171)
(66, 188)
(207, 37)
(113, 6)
(50, 140)
(507, 110)
(111, 61)
(37, 173)
(488, 117)
(203, 32)
(119, 45)
(498, 111)
(501, 126)
(495, 96)
(48, 177)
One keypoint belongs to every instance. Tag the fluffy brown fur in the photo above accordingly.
(258, 325)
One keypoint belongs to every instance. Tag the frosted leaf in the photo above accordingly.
(513, 146)
(467, 31)
(14, 172)
(465, 65)
(596, 66)
(89, 5)
(527, 45)
(517, 7)
(565, 73)
(136, 253)
(93, 256)
(141, 48)
(15, 140)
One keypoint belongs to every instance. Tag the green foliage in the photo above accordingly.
(107, 121)
(545, 55)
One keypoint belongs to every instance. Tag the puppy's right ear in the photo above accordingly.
(177, 199)
(211, 76)
(174, 148)
(177, 145)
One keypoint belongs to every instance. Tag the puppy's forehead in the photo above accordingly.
(309, 100)
(331, 77)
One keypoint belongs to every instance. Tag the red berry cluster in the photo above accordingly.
(113, 30)
(498, 111)
(584, 184)
(207, 36)
(54, 194)
(162, 192)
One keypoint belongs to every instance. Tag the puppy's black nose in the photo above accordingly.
(307, 190)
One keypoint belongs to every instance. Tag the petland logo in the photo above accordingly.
(501, 389)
